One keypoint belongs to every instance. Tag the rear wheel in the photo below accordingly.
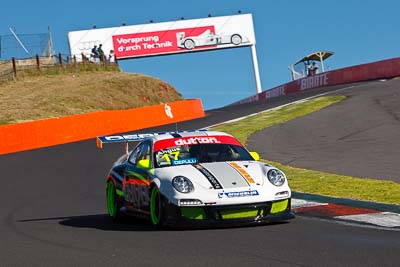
(189, 44)
(113, 206)
(156, 207)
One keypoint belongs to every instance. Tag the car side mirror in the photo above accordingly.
(255, 156)
(143, 164)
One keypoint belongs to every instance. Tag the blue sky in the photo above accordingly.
(358, 31)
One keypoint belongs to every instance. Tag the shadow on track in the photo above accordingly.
(100, 222)
(103, 222)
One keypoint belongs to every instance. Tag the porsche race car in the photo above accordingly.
(194, 177)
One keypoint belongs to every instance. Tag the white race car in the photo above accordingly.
(195, 177)
(208, 38)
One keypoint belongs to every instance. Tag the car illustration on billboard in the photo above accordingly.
(207, 38)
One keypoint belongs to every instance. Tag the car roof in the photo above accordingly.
(154, 137)
(179, 134)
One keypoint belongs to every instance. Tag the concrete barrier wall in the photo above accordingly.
(61, 130)
(372, 71)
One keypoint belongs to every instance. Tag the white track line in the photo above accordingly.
(385, 219)
(301, 203)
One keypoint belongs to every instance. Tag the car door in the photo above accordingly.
(137, 180)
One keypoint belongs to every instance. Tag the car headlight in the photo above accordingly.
(182, 184)
(276, 177)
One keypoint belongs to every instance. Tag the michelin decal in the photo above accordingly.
(249, 193)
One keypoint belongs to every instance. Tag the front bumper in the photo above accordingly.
(228, 215)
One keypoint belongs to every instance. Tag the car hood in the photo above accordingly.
(219, 175)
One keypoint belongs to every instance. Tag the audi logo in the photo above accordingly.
(88, 45)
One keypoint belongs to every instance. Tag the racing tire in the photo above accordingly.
(236, 39)
(113, 206)
(157, 204)
(189, 44)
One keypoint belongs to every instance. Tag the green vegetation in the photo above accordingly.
(309, 181)
(244, 128)
(315, 182)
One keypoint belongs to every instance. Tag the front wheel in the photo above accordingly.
(156, 207)
(236, 39)
(113, 207)
(189, 44)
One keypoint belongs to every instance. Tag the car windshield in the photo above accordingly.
(200, 153)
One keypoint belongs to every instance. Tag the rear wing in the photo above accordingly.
(135, 137)
(120, 139)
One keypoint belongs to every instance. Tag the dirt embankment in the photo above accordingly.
(47, 96)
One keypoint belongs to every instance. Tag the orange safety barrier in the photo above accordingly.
(61, 130)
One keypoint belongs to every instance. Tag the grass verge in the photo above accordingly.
(310, 181)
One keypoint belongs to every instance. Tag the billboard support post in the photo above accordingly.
(255, 67)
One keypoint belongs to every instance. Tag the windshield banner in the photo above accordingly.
(167, 143)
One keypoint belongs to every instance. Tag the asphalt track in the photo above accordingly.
(53, 214)
(357, 137)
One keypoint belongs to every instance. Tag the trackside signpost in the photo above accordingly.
(174, 37)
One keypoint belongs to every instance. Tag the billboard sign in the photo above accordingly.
(180, 36)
